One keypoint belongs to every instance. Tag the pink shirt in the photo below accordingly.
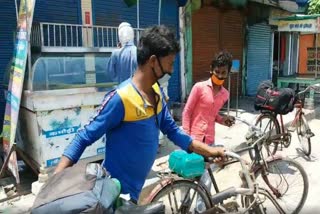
(202, 110)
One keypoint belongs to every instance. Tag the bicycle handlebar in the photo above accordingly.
(233, 155)
(254, 131)
(251, 126)
(316, 87)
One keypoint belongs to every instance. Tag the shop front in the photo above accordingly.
(299, 60)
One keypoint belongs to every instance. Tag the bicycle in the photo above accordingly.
(278, 134)
(172, 185)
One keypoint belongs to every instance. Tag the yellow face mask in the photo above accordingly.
(216, 80)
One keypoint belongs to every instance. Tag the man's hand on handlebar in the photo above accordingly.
(218, 155)
(228, 120)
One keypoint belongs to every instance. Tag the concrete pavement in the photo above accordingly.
(234, 137)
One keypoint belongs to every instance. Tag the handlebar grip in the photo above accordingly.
(232, 154)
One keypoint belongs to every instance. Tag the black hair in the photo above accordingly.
(157, 40)
(223, 58)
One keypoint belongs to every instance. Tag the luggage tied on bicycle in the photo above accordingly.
(83, 188)
(278, 100)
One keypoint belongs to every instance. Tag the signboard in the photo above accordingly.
(306, 25)
(313, 63)
(16, 83)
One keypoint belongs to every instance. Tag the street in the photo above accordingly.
(233, 137)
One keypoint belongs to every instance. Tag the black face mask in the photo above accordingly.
(162, 71)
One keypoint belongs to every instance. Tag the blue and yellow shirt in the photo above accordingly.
(132, 132)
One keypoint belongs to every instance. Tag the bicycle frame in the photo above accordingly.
(299, 112)
(260, 163)
(250, 187)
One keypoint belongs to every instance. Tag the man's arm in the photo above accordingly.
(205, 150)
(224, 120)
(184, 141)
(169, 127)
(64, 163)
(188, 109)
(109, 116)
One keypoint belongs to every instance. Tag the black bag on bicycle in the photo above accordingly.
(278, 100)
(83, 188)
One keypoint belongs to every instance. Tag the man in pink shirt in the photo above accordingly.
(205, 101)
(202, 108)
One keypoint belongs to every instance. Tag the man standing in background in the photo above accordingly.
(123, 61)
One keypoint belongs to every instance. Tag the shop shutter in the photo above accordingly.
(259, 56)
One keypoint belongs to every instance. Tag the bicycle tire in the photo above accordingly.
(178, 184)
(302, 128)
(270, 150)
(283, 180)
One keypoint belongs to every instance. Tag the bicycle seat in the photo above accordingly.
(128, 207)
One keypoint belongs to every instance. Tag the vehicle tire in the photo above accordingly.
(302, 129)
(195, 199)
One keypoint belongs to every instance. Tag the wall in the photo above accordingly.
(306, 41)
(60, 11)
(188, 47)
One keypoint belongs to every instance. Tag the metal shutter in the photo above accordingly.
(113, 12)
(59, 11)
(259, 56)
(214, 30)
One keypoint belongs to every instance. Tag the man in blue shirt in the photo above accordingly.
(132, 116)
(123, 61)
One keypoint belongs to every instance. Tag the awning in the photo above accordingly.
(297, 17)
(299, 23)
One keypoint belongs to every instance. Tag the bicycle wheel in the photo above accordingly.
(302, 131)
(270, 125)
(183, 196)
(287, 181)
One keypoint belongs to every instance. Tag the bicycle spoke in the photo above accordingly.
(170, 202)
